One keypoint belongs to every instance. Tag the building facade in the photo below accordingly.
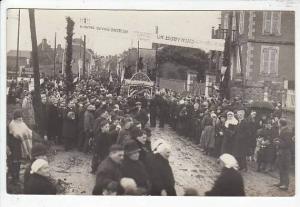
(262, 52)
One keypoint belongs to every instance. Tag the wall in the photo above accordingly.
(176, 85)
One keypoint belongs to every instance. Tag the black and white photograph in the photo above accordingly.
(133, 102)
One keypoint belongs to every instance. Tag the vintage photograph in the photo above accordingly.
(150, 103)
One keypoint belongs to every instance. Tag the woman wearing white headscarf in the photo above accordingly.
(230, 181)
(229, 133)
(160, 172)
(39, 179)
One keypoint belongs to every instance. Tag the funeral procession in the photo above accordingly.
(150, 103)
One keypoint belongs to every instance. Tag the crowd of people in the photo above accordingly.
(126, 160)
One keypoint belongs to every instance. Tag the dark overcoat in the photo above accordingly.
(229, 183)
(107, 171)
(136, 170)
(161, 176)
(40, 185)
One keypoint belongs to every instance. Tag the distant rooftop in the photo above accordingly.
(22, 53)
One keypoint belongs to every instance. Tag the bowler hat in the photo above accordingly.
(131, 147)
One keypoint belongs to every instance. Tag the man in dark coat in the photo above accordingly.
(153, 110)
(163, 110)
(110, 169)
(284, 146)
(69, 131)
(103, 142)
(241, 144)
(133, 168)
(140, 114)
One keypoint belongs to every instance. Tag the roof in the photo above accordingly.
(22, 53)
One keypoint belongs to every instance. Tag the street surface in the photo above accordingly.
(191, 169)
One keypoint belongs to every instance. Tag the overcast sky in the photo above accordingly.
(190, 24)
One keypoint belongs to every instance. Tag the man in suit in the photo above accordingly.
(284, 147)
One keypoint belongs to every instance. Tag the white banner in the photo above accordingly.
(206, 45)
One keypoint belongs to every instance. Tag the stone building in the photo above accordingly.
(262, 52)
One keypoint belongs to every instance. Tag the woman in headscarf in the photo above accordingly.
(230, 181)
(161, 174)
(229, 133)
(39, 179)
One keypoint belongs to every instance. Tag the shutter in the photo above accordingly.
(267, 22)
(276, 23)
(265, 58)
(241, 23)
(234, 21)
(273, 53)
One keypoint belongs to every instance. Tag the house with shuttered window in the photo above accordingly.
(262, 53)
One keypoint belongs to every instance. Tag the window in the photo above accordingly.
(241, 22)
(238, 61)
(269, 60)
(271, 23)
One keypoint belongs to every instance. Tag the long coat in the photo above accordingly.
(103, 142)
(69, 128)
(107, 171)
(241, 145)
(38, 184)
(229, 183)
(161, 176)
(136, 170)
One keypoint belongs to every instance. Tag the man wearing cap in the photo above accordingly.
(133, 168)
(88, 122)
(110, 169)
(140, 114)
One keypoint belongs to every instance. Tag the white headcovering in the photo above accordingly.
(232, 120)
(181, 102)
(229, 161)
(37, 165)
(160, 146)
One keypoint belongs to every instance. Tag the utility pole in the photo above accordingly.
(156, 62)
(54, 64)
(224, 84)
(18, 40)
(138, 57)
(238, 40)
(83, 62)
(36, 72)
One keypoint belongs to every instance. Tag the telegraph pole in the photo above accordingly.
(36, 71)
(54, 64)
(156, 62)
(18, 40)
(83, 62)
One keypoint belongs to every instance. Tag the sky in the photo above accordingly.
(187, 24)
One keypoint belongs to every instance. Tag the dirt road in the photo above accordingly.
(191, 169)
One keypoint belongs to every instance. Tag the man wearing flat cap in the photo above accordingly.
(109, 169)
(140, 114)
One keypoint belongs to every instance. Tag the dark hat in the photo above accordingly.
(17, 113)
(131, 147)
(116, 147)
(38, 150)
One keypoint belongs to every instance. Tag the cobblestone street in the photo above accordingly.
(191, 169)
